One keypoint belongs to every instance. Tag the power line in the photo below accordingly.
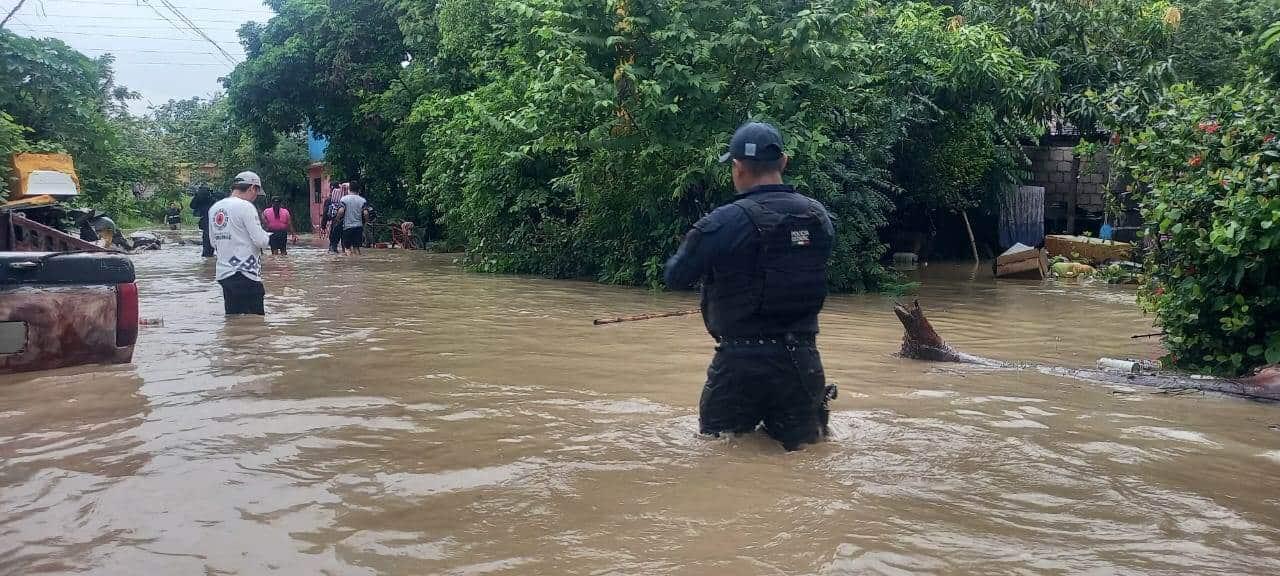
(12, 12)
(96, 35)
(60, 27)
(164, 39)
(166, 18)
(264, 12)
(144, 51)
(135, 18)
(195, 28)
(178, 64)
(118, 51)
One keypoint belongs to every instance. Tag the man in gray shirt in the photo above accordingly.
(353, 212)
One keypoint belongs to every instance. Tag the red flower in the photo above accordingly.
(1209, 127)
(1195, 161)
(1269, 139)
(1159, 291)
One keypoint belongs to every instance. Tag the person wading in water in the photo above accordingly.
(279, 224)
(238, 241)
(329, 222)
(353, 213)
(200, 203)
(763, 264)
(173, 216)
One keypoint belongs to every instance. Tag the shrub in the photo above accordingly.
(1206, 166)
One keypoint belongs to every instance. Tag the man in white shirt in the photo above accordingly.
(238, 240)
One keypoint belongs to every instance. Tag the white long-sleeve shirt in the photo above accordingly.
(237, 237)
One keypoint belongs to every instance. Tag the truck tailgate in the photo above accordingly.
(64, 326)
(62, 308)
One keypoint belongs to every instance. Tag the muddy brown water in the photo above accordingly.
(396, 415)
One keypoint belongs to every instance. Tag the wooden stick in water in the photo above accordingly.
(603, 321)
(972, 243)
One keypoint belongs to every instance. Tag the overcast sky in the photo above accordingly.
(156, 54)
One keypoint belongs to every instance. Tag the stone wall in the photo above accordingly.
(1053, 168)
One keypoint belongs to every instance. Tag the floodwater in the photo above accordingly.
(395, 415)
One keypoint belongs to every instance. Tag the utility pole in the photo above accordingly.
(12, 12)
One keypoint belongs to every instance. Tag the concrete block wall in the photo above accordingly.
(1051, 167)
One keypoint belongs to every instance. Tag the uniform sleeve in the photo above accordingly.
(253, 226)
(694, 258)
(829, 224)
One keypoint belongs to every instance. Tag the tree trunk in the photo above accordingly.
(921, 342)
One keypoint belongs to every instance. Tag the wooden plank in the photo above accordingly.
(1092, 249)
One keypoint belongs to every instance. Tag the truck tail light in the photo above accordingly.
(126, 314)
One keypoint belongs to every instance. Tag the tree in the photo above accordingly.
(1149, 45)
(316, 66)
(204, 131)
(592, 143)
(579, 137)
(62, 103)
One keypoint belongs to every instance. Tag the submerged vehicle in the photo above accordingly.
(63, 301)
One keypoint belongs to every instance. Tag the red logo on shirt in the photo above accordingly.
(220, 218)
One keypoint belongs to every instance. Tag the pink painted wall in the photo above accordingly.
(318, 187)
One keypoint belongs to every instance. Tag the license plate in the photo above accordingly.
(13, 337)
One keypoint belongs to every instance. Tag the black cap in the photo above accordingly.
(754, 141)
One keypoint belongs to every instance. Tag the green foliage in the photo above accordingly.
(578, 138)
(204, 131)
(321, 66)
(589, 143)
(11, 140)
(1121, 274)
(946, 164)
(1145, 44)
(584, 141)
(129, 166)
(1207, 171)
(65, 99)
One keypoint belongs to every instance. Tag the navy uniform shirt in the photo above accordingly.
(723, 232)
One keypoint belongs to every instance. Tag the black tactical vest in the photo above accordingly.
(777, 283)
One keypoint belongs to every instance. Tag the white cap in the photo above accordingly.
(247, 177)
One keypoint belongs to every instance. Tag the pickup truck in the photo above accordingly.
(63, 302)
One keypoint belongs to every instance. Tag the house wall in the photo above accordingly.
(1052, 168)
(317, 190)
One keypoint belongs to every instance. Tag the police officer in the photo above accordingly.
(201, 201)
(763, 264)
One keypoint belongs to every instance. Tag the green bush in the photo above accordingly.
(1207, 172)
(587, 143)
(11, 141)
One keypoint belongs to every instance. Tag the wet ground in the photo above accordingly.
(395, 415)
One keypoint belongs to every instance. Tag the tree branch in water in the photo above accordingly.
(921, 342)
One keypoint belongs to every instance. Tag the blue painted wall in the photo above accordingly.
(316, 147)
